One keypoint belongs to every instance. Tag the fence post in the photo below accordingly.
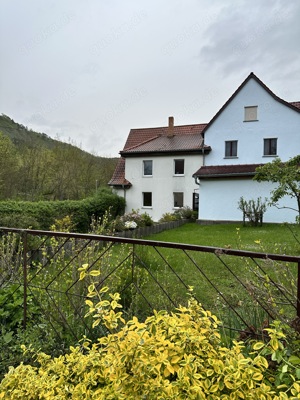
(298, 291)
(24, 234)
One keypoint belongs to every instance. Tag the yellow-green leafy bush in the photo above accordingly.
(169, 356)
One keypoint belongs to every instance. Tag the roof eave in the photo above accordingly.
(229, 175)
(199, 151)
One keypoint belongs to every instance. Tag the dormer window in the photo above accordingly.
(250, 113)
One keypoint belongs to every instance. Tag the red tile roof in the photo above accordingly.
(118, 178)
(158, 140)
(183, 137)
(172, 144)
(218, 171)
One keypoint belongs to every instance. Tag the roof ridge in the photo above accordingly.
(139, 144)
(166, 127)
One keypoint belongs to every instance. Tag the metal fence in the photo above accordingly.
(40, 280)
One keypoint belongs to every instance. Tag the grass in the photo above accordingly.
(271, 238)
(220, 282)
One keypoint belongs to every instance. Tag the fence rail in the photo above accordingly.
(43, 267)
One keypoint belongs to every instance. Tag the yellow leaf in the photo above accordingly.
(175, 359)
(94, 273)
(97, 322)
(274, 343)
(166, 372)
(214, 388)
(258, 345)
(257, 376)
(82, 275)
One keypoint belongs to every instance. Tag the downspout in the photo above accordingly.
(124, 189)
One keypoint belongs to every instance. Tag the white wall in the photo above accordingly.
(162, 183)
(219, 197)
(275, 120)
(219, 200)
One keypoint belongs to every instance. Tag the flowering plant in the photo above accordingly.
(130, 225)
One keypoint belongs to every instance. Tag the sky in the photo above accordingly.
(86, 72)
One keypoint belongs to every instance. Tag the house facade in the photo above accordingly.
(209, 167)
(252, 128)
(154, 173)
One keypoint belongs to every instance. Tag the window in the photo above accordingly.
(178, 199)
(147, 199)
(231, 148)
(179, 167)
(147, 167)
(250, 113)
(270, 147)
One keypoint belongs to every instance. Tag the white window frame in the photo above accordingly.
(144, 165)
(175, 161)
(143, 200)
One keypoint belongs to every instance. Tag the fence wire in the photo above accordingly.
(40, 279)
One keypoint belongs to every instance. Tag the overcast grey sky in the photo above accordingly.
(88, 71)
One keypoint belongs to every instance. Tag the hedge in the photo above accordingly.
(42, 214)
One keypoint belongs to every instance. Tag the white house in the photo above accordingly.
(252, 128)
(154, 173)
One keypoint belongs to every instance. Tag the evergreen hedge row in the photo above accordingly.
(42, 214)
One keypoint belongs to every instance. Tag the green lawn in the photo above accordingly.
(222, 284)
(273, 238)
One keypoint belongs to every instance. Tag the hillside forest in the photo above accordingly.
(35, 167)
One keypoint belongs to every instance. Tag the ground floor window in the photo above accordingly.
(178, 199)
(147, 199)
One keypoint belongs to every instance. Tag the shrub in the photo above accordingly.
(182, 213)
(169, 217)
(186, 213)
(169, 356)
(42, 214)
(132, 219)
(253, 210)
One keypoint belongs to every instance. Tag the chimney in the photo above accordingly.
(171, 127)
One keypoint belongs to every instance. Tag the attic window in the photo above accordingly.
(250, 113)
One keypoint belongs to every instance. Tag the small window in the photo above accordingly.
(147, 199)
(179, 167)
(178, 199)
(270, 147)
(231, 148)
(250, 113)
(147, 167)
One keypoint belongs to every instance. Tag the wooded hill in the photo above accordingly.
(34, 166)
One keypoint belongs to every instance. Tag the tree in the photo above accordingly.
(9, 165)
(287, 177)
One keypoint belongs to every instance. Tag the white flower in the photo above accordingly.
(130, 225)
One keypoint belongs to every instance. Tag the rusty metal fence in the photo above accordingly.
(40, 269)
